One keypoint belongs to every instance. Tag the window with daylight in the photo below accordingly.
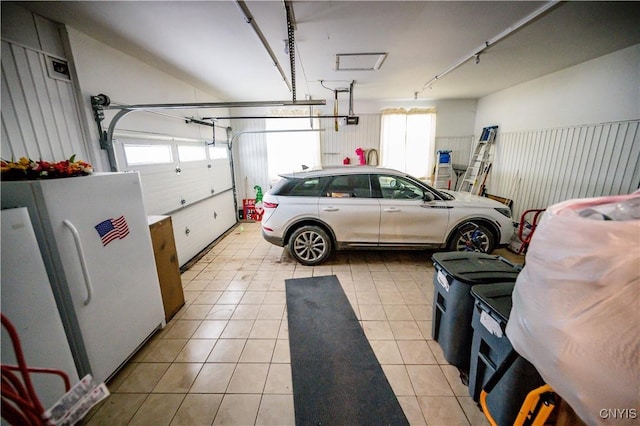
(138, 154)
(218, 152)
(407, 140)
(292, 145)
(188, 153)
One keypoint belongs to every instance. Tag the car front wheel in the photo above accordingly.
(310, 245)
(472, 237)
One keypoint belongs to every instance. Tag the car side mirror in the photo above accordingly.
(428, 197)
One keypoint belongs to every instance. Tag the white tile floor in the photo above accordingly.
(224, 357)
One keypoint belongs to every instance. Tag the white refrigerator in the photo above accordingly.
(95, 243)
(28, 302)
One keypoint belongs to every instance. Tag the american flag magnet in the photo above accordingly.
(111, 229)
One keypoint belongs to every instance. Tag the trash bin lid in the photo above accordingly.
(476, 268)
(496, 297)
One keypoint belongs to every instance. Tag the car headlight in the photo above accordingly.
(505, 211)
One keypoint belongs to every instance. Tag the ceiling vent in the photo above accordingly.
(359, 61)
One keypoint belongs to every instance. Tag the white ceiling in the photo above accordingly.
(209, 44)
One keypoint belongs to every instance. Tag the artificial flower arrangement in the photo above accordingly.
(26, 168)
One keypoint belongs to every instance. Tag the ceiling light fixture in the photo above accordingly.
(476, 52)
(359, 61)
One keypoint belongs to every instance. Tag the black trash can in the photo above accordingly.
(455, 273)
(490, 348)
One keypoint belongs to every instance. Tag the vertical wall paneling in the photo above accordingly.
(40, 118)
(8, 114)
(593, 134)
(249, 157)
(461, 148)
(612, 156)
(630, 153)
(568, 151)
(538, 168)
(336, 146)
(556, 163)
(577, 173)
(541, 159)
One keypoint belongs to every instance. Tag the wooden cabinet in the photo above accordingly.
(164, 250)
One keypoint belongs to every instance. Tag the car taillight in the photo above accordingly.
(268, 205)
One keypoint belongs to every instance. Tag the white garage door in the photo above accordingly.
(186, 179)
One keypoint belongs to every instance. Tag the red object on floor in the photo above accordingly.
(250, 212)
(20, 404)
(526, 239)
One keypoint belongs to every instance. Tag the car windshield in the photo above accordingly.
(445, 195)
(439, 194)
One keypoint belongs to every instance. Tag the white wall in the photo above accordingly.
(127, 81)
(454, 130)
(455, 117)
(605, 89)
(50, 117)
(571, 134)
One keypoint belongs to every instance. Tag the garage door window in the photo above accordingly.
(139, 154)
(218, 152)
(188, 153)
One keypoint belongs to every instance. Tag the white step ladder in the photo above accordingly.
(444, 170)
(476, 174)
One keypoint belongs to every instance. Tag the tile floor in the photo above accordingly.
(224, 357)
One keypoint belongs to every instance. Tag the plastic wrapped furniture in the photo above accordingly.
(576, 306)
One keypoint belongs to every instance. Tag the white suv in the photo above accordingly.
(315, 212)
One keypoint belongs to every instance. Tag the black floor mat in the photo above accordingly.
(337, 379)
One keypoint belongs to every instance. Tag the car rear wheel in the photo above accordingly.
(310, 245)
(472, 237)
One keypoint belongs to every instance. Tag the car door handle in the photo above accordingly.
(391, 209)
(330, 209)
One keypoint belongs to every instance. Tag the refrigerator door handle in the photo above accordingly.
(83, 262)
